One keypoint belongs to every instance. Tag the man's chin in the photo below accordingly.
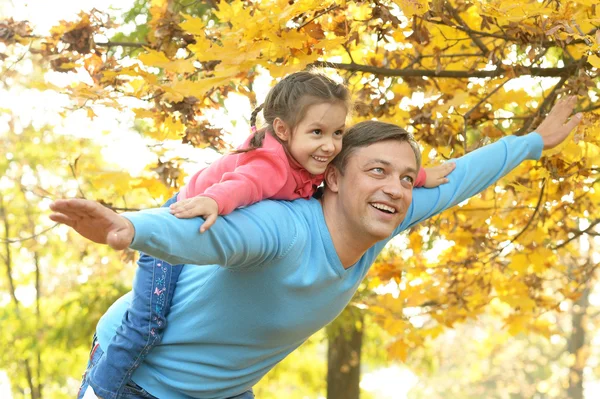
(382, 232)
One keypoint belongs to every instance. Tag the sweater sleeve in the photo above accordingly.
(259, 175)
(421, 177)
(246, 238)
(474, 172)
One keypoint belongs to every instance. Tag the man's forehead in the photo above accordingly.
(394, 152)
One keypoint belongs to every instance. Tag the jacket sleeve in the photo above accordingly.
(248, 237)
(474, 172)
(259, 175)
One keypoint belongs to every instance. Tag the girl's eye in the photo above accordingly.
(317, 131)
(339, 133)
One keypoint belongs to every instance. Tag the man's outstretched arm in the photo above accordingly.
(245, 238)
(483, 167)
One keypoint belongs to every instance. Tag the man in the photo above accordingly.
(275, 272)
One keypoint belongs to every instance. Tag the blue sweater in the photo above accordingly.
(271, 278)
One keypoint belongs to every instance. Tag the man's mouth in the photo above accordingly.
(384, 208)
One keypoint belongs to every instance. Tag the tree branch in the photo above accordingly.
(577, 233)
(122, 44)
(547, 101)
(518, 71)
(15, 240)
(529, 223)
(504, 36)
(474, 38)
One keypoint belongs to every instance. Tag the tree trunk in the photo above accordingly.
(343, 356)
(576, 346)
(34, 392)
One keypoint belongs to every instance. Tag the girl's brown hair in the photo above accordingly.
(289, 99)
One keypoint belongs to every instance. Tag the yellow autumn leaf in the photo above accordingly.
(413, 7)
(184, 88)
(194, 25)
(517, 325)
(67, 65)
(519, 263)
(522, 189)
(143, 113)
(594, 60)
(398, 350)
(155, 187)
(118, 182)
(172, 129)
(160, 60)
(90, 113)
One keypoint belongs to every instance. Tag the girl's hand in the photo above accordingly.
(436, 175)
(197, 206)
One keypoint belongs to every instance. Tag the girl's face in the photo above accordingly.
(317, 138)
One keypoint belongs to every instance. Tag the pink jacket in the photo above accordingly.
(236, 180)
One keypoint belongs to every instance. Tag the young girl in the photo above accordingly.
(305, 115)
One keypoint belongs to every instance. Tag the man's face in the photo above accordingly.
(375, 191)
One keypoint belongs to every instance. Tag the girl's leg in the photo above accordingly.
(95, 354)
(141, 329)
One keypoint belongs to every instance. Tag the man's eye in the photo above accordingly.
(377, 170)
(408, 181)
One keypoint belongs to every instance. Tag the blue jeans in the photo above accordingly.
(130, 390)
(142, 326)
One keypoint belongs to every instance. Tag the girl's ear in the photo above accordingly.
(332, 175)
(281, 129)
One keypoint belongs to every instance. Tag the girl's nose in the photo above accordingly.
(328, 145)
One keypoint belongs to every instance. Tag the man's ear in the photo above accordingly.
(332, 177)
(281, 129)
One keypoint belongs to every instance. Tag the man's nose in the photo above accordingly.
(394, 188)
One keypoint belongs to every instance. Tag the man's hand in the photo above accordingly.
(197, 206)
(94, 222)
(436, 175)
(555, 128)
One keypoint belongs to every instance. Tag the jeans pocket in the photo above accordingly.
(133, 391)
(133, 388)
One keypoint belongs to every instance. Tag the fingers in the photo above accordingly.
(442, 170)
(563, 108)
(210, 220)
(186, 213)
(448, 167)
(192, 207)
(61, 218)
(184, 209)
(77, 208)
(573, 122)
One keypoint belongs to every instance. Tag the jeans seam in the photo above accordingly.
(149, 340)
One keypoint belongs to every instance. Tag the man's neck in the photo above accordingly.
(348, 245)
